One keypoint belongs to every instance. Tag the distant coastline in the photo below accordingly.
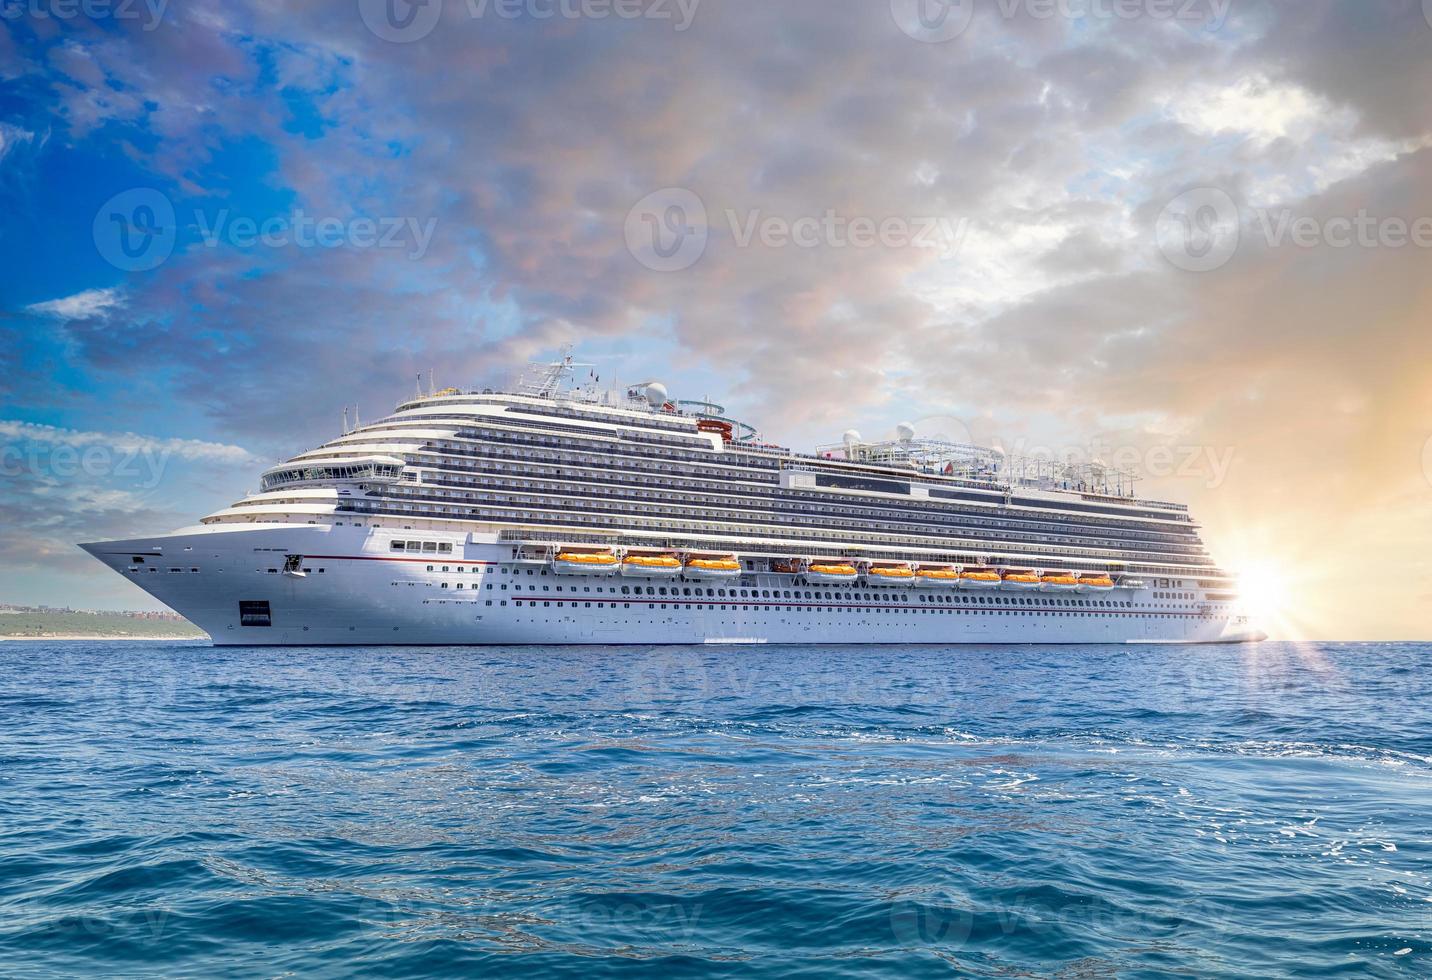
(45, 623)
(58, 638)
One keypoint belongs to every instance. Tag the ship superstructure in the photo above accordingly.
(561, 514)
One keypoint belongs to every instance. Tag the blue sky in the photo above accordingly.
(222, 222)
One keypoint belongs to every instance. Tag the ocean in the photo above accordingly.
(1094, 812)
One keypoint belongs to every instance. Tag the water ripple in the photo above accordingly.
(992, 812)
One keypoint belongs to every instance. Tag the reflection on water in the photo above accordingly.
(1091, 811)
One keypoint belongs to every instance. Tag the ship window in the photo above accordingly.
(399, 545)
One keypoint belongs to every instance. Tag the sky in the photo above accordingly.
(1190, 237)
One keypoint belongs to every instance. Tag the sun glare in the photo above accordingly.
(1265, 594)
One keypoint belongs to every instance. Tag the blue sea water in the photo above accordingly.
(175, 809)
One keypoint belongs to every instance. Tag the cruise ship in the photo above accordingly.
(560, 512)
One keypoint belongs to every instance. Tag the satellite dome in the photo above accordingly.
(904, 432)
(851, 437)
(656, 394)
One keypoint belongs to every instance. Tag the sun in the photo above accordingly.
(1266, 593)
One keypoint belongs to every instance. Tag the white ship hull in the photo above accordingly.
(229, 580)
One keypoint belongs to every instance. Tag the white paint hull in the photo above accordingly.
(355, 593)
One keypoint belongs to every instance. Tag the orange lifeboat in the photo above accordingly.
(979, 578)
(892, 573)
(1058, 582)
(936, 577)
(658, 565)
(712, 567)
(585, 563)
(1020, 581)
(1096, 583)
(831, 572)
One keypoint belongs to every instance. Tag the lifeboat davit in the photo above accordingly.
(1096, 583)
(1058, 582)
(651, 566)
(979, 579)
(585, 563)
(893, 574)
(831, 573)
(713, 567)
(1020, 581)
(937, 578)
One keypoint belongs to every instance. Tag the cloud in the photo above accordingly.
(12, 137)
(87, 305)
(59, 486)
(128, 442)
(1055, 143)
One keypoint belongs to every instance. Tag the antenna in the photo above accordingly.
(345, 420)
(545, 380)
(356, 424)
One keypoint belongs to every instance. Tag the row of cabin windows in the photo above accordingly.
(692, 456)
(430, 547)
(1012, 529)
(1063, 557)
(421, 507)
(491, 491)
(527, 471)
(892, 610)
